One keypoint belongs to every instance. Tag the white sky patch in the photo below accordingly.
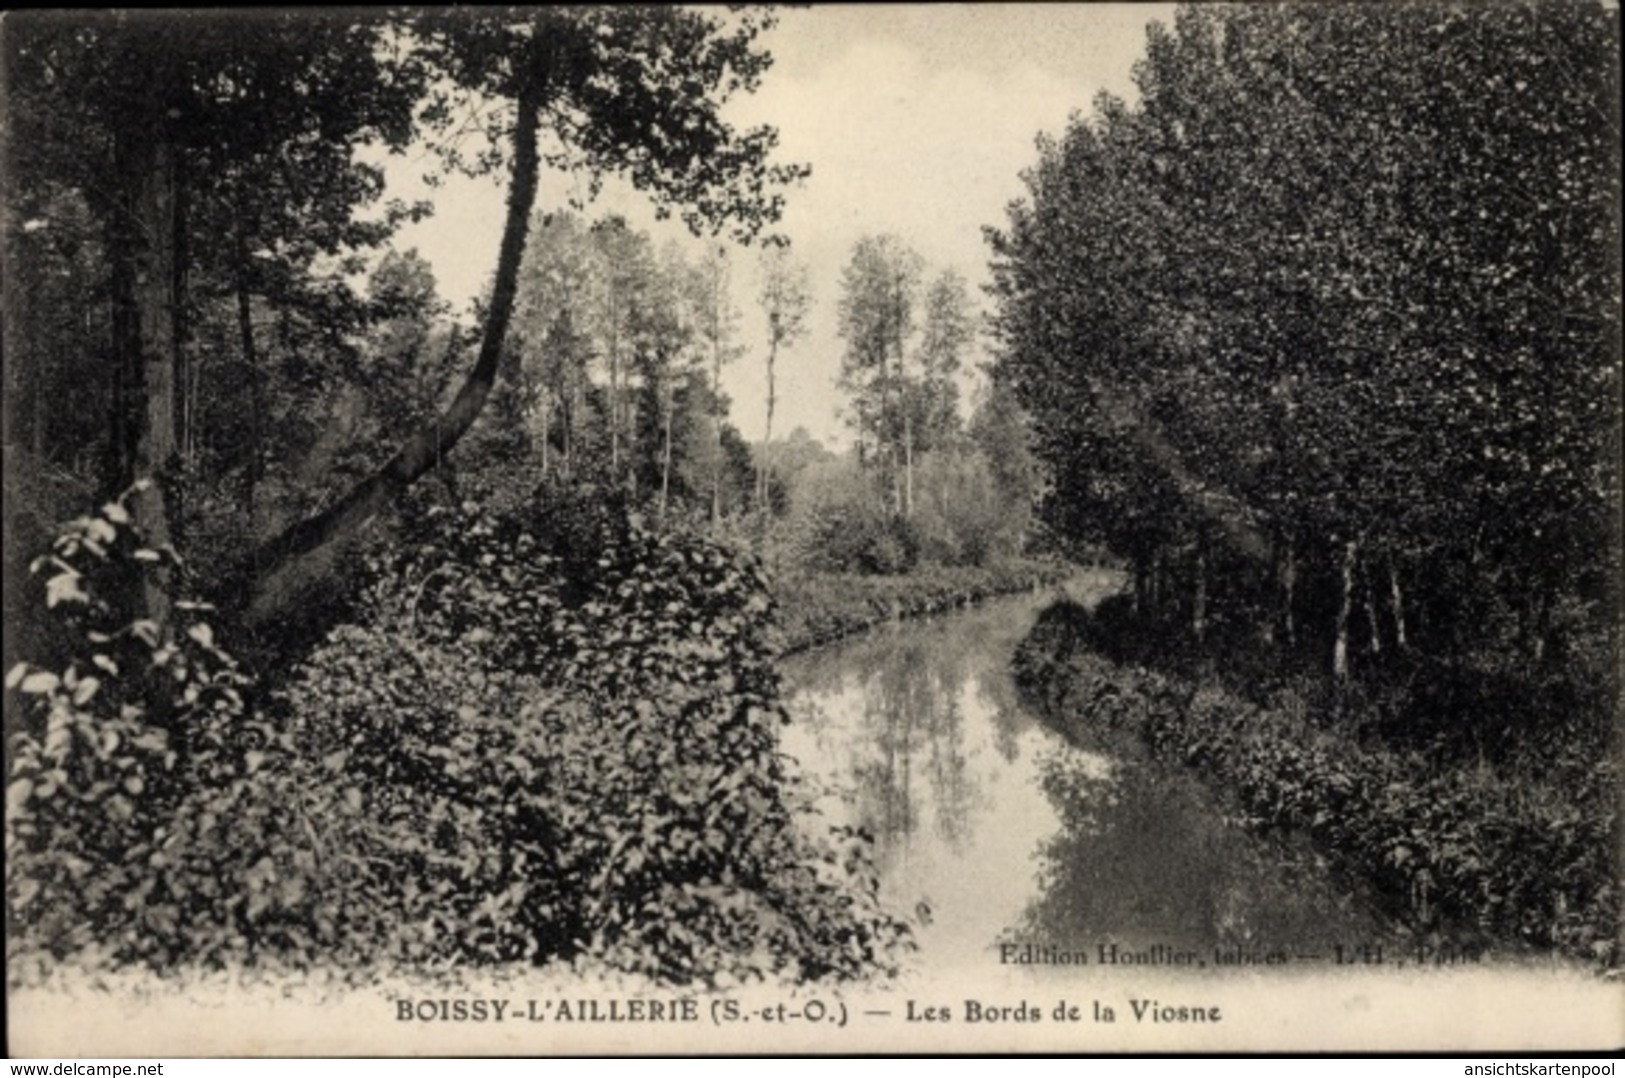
(916, 119)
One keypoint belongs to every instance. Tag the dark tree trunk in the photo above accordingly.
(665, 457)
(1199, 596)
(547, 430)
(256, 393)
(1289, 588)
(716, 423)
(145, 332)
(763, 467)
(185, 412)
(1264, 595)
(1371, 609)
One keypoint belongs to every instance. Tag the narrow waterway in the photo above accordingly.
(1012, 848)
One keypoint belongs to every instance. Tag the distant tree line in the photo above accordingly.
(924, 484)
(617, 354)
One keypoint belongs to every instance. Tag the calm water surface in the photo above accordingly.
(990, 829)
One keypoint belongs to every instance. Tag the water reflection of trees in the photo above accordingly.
(1144, 857)
(920, 718)
(900, 700)
(1000, 699)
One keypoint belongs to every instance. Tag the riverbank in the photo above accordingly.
(818, 608)
(1466, 851)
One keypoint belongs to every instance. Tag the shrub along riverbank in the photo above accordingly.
(547, 736)
(1467, 848)
(817, 608)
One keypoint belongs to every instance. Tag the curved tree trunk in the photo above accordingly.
(300, 554)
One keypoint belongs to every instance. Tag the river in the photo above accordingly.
(991, 830)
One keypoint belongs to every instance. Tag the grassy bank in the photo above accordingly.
(816, 608)
(1470, 848)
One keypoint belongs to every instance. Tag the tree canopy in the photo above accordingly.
(213, 160)
(1340, 290)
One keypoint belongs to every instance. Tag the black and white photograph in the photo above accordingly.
(836, 529)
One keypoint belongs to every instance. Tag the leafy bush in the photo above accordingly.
(548, 736)
(616, 690)
(116, 730)
(842, 522)
(864, 539)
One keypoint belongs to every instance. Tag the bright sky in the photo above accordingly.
(916, 119)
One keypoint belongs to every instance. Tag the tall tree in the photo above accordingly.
(553, 333)
(1001, 433)
(401, 370)
(785, 298)
(626, 262)
(1298, 297)
(663, 338)
(879, 296)
(947, 332)
(717, 323)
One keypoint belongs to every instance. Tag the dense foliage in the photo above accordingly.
(538, 727)
(115, 733)
(904, 395)
(199, 195)
(613, 372)
(972, 507)
(537, 741)
(1340, 294)
(923, 486)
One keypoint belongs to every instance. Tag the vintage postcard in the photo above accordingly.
(1084, 528)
